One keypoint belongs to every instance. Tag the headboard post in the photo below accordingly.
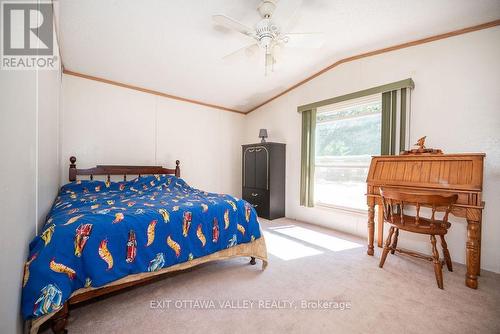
(72, 169)
(177, 169)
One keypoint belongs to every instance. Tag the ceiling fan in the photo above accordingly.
(267, 34)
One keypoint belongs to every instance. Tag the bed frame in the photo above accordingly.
(109, 170)
(255, 249)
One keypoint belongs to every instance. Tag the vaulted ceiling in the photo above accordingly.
(174, 47)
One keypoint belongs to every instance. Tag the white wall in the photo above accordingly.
(17, 187)
(455, 104)
(48, 166)
(30, 175)
(105, 124)
(29, 113)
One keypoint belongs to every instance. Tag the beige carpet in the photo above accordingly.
(306, 263)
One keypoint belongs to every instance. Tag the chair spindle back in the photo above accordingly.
(397, 203)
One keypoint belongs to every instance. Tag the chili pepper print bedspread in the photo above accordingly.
(98, 232)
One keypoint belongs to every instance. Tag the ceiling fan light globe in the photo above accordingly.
(265, 42)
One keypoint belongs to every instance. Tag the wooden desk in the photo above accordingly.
(460, 174)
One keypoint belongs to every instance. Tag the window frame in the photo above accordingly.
(399, 112)
(336, 107)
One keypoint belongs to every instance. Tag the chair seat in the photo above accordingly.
(424, 226)
(396, 202)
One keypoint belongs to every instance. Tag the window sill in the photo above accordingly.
(341, 208)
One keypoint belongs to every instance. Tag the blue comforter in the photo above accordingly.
(98, 232)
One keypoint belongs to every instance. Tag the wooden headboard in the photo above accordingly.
(125, 170)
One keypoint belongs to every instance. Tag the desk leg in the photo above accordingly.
(479, 250)
(380, 225)
(371, 228)
(472, 249)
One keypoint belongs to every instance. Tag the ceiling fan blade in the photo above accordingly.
(309, 40)
(230, 23)
(248, 51)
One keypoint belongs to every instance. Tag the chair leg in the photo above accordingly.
(395, 241)
(437, 264)
(446, 253)
(386, 247)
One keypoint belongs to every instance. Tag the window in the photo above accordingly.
(339, 136)
(347, 135)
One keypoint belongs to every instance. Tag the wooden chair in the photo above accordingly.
(396, 206)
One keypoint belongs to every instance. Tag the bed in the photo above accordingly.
(104, 236)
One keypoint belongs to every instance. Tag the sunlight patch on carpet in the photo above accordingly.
(323, 240)
(287, 249)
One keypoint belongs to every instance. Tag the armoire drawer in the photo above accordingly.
(253, 195)
(258, 198)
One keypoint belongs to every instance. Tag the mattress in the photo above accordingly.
(100, 232)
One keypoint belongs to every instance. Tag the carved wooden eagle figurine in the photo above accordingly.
(422, 149)
(421, 143)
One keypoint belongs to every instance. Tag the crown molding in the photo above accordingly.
(380, 51)
(149, 91)
(309, 78)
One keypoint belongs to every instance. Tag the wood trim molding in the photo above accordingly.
(326, 69)
(380, 51)
(150, 91)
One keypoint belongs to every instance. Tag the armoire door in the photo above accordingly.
(249, 167)
(261, 167)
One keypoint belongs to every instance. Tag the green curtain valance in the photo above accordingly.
(407, 83)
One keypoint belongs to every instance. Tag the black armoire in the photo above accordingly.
(264, 178)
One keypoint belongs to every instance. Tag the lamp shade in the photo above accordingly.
(263, 133)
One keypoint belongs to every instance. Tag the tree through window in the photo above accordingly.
(347, 135)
